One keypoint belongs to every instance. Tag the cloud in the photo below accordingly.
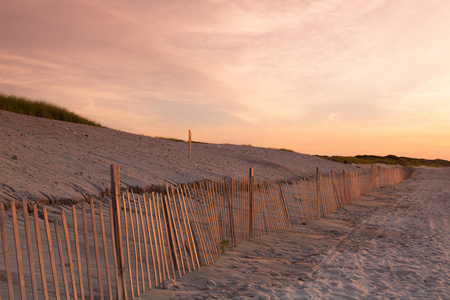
(333, 65)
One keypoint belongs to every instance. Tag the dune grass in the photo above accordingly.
(41, 109)
(389, 160)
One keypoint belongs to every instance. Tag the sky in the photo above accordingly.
(332, 77)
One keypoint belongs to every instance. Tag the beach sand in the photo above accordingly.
(51, 161)
(393, 243)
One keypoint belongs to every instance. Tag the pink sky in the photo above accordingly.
(318, 77)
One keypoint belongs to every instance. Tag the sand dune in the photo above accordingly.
(50, 160)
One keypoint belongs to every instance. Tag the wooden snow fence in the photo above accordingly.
(123, 248)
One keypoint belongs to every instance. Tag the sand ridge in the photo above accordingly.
(50, 160)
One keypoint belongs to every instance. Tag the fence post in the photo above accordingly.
(250, 201)
(190, 142)
(115, 195)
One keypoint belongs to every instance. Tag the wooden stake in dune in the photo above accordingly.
(250, 203)
(190, 142)
(115, 194)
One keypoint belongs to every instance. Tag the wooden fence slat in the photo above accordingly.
(188, 245)
(86, 248)
(139, 249)
(200, 237)
(151, 200)
(212, 210)
(150, 242)
(162, 247)
(113, 241)
(284, 206)
(165, 228)
(52, 256)
(199, 229)
(69, 255)
(145, 247)
(263, 209)
(179, 232)
(6, 252)
(230, 213)
(97, 252)
(30, 249)
(203, 209)
(128, 244)
(259, 200)
(18, 250)
(172, 222)
(250, 203)
(292, 201)
(40, 251)
(77, 250)
(61, 258)
(105, 250)
(135, 248)
(170, 238)
(115, 201)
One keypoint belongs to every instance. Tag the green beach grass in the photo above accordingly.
(41, 109)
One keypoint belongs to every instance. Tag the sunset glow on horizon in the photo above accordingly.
(338, 77)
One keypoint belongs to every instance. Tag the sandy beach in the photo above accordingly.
(390, 244)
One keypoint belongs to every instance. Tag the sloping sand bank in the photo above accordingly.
(391, 244)
(51, 161)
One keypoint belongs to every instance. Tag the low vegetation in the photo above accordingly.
(388, 160)
(41, 109)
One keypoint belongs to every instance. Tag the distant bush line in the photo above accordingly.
(41, 109)
(389, 160)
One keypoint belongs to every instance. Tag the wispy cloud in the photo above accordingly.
(305, 68)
